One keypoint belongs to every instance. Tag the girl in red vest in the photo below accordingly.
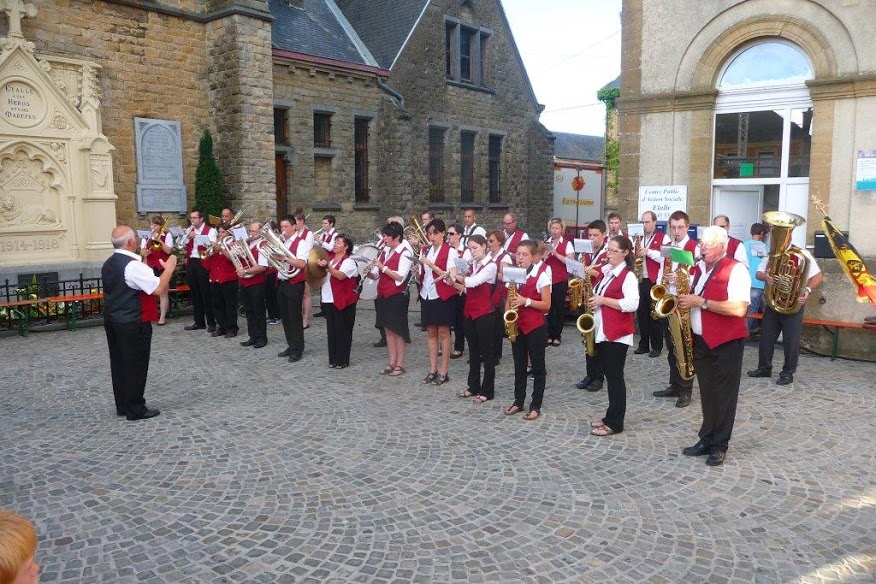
(154, 257)
(500, 257)
(437, 299)
(560, 251)
(532, 301)
(339, 301)
(391, 270)
(613, 304)
(480, 320)
(223, 287)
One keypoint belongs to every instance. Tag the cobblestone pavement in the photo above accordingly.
(260, 470)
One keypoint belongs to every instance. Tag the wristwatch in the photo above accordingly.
(705, 305)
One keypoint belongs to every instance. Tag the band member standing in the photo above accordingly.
(129, 310)
(437, 300)
(614, 224)
(290, 291)
(678, 387)
(500, 257)
(339, 301)
(273, 309)
(558, 253)
(155, 257)
(615, 299)
(735, 247)
(532, 302)
(303, 232)
(470, 227)
(789, 325)
(595, 376)
(650, 330)
(392, 270)
(480, 320)
(718, 304)
(253, 290)
(415, 245)
(454, 236)
(513, 235)
(326, 240)
(223, 287)
(196, 274)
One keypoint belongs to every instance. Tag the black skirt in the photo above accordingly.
(392, 314)
(438, 312)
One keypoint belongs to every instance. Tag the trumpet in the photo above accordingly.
(271, 246)
(180, 243)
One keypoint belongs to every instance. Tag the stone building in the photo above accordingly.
(754, 106)
(360, 108)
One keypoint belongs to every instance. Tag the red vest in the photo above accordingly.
(652, 266)
(152, 260)
(477, 300)
(615, 323)
(445, 290)
(302, 273)
(732, 245)
(500, 291)
(691, 246)
(718, 328)
(597, 259)
(515, 240)
(221, 269)
(386, 286)
(343, 291)
(559, 273)
(148, 307)
(257, 278)
(530, 318)
(205, 230)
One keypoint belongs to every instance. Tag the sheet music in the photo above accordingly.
(176, 231)
(239, 233)
(582, 246)
(575, 268)
(636, 230)
(514, 274)
(461, 265)
(202, 240)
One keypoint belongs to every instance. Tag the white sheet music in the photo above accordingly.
(582, 246)
(239, 233)
(514, 274)
(575, 268)
(202, 240)
(461, 265)
(635, 230)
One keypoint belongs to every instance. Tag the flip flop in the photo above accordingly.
(603, 431)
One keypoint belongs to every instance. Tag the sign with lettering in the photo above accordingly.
(22, 104)
(160, 185)
(664, 201)
(577, 206)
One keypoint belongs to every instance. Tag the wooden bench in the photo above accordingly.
(72, 305)
(23, 316)
(174, 300)
(833, 328)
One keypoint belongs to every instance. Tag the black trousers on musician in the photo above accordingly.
(718, 371)
(130, 346)
(254, 301)
(479, 332)
(199, 283)
(339, 328)
(650, 330)
(271, 296)
(499, 331)
(612, 358)
(675, 380)
(289, 299)
(595, 370)
(224, 298)
(556, 317)
(530, 347)
(791, 327)
(458, 303)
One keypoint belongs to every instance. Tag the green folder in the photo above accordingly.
(682, 256)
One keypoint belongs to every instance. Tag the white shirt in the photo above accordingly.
(138, 275)
(508, 239)
(696, 252)
(404, 262)
(629, 303)
(738, 290)
(740, 255)
(348, 267)
(211, 234)
(544, 280)
(428, 290)
(654, 254)
(327, 239)
(598, 257)
(263, 255)
(813, 265)
(303, 250)
(467, 232)
(484, 272)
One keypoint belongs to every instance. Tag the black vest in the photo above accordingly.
(121, 303)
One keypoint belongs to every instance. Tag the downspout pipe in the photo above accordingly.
(392, 92)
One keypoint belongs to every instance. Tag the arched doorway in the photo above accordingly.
(762, 134)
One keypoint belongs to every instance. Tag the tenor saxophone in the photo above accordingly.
(510, 316)
(680, 330)
(639, 265)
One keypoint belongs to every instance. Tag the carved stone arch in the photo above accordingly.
(32, 187)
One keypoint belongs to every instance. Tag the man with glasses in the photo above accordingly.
(735, 247)
(513, 235)
(197, 274)
(252, 290)
(650, 330)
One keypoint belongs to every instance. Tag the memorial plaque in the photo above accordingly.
(160, 184)
(22, 104)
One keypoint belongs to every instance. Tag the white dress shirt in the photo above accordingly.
(303, 250)
(629, 303)
(138, 275)
(404, 262)
(738, 290)
(212, 234)
(505, 245)
(348, 267)
(484, 272)
(428, 290)
(327, 239)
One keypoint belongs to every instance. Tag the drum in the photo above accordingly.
(369, 289)
(364, 255)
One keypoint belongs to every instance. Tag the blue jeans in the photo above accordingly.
(755, 306)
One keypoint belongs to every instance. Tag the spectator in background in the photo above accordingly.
(755, 250)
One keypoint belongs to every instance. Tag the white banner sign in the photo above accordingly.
(664, 201)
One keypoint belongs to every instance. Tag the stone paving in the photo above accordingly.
(259, 470)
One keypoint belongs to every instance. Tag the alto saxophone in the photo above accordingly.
(660, 290)
(586, 323)
(679, 322)
(510, 316)
(639, 265)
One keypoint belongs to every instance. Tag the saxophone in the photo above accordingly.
(510, 316)
(640, 261)
(679, 322)
(586, 323)
(576, 293)
(660, 290)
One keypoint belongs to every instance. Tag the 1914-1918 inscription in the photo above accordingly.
(160, 184)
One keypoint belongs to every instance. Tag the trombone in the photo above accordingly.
(415, 231)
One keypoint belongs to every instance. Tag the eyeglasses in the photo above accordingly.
(452, 233)
(609, 250)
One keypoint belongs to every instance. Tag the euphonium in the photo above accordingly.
(415, 231)
(575, 294)
(510, 316)
(273, 245)
(787, 265)
(680, 329)
(586, 323)
(239, 253)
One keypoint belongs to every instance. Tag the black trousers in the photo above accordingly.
(224, 298)
(254, 301)
(197, 278)
(791, 327)
(479, 334)
(129, 348)
(612, 358)
(339, 328)
(499, 332)
(556, 317)
(675, 380)
(271, 296)
(458, 323)
(529, 346)
(289, 299)
(594, 367)
(718, 371)
(650, 330)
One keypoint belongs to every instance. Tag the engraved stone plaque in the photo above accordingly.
(160, 184)
(21, 104)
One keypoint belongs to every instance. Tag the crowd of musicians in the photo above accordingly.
(695, 308)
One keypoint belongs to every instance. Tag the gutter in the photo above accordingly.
(392, 92)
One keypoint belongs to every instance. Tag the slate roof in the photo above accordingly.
(613, 85)
(579, 147)
(383, 25)
(313, 30)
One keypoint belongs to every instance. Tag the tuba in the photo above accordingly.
(510, 316)
(272, 245)
(666, 306)
(586, 323)
(787, 265)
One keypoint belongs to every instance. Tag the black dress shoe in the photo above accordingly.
(194, 327)
(640, 351)
(247, 343)
(230, 334)
(120, 412)
(683, 400)
(760, 372)
(211, 328)
(716, 458)
(319, 314)
(584, 382)
(596, 385)
(380, 343)
(285, 353)
(785, 378)
(145, 415)
(670, 391)
(698, 449)
(655, 353)
(259, 344)
(295, 357)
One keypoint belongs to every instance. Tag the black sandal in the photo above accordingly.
(429, 378)
(441, 379)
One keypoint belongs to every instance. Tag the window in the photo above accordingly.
(360, 147)
(495, 161)
(769, 63)
(466, 169)
(280, 135)
(466, 39)
(436, 165)
(465, 50)
(322, 130)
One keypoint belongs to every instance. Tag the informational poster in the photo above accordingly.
(865, 173)
(664, 201)
(577, 195)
